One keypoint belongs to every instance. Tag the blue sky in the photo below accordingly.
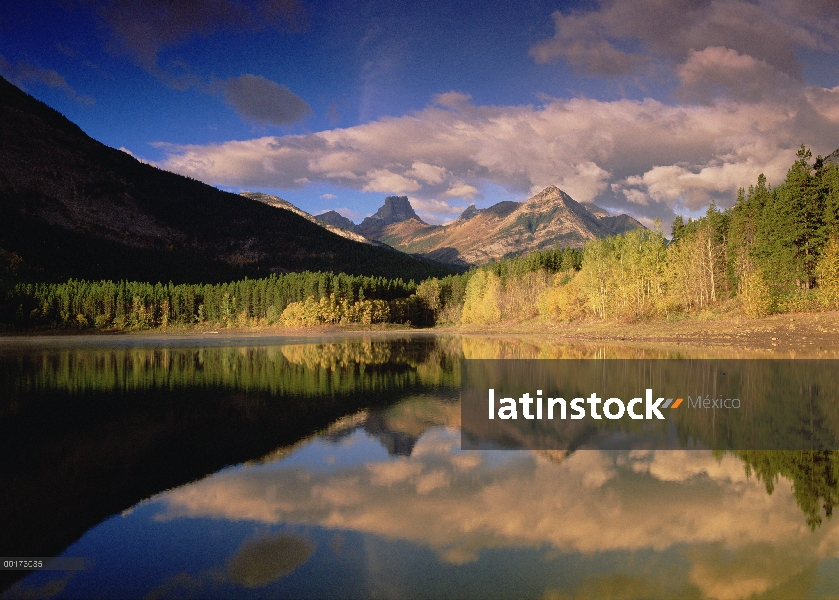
(641, 106)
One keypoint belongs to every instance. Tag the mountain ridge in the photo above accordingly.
(278, 202)
(72, 207)
(477, 236)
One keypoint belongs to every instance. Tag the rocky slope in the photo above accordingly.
(345, 232)
(478, 236)
(72, 207)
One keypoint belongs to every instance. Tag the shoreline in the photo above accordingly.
(782, 333)
(812, 333)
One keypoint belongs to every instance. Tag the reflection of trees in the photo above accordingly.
(313, 369)
(89, 431)
(335, 354)
(814, 475)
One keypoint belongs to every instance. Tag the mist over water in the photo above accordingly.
(263, 467)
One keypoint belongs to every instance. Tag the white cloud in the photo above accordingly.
(461, 189)
(349, 213)
(734, 66)
(620, 37)
(435, 211)
(719, 71)
(383, 180)
(328, 196)
(611, 152)
(454, 100)
(428, 173)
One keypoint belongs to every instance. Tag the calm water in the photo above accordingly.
(259, 467)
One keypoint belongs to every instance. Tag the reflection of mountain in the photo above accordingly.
(399, 426)
(397, 443)
(89, 432)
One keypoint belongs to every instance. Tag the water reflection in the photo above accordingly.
(369, 494)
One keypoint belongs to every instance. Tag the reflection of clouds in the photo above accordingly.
(265, 559)
(432, 481)
(753, 569)
(682, 465)
(257, 563)
(620, 586)
(388, 473)
(591, 502)
(23, 590)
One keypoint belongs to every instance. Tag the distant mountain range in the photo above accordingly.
(73, 207)
(548, 219)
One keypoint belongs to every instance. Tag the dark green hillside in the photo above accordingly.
(72, 207)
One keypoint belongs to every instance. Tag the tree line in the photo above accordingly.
(775, 250)
(248, 302)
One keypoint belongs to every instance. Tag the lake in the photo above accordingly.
(245, 466)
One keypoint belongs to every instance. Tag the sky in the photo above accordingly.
(648, 107)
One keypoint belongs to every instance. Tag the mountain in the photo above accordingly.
(286, 205)
(397, 209)
(336, 219)
(478, 236)
(73, 207)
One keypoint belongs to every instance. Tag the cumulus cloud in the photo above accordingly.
(717, 71)
(263, 101)
(619, 37)
(428, 173)
(647, 157)
(385, 180)
(23, 72)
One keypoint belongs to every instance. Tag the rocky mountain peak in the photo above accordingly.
(467, 214)
(395, 210)
(551, 195)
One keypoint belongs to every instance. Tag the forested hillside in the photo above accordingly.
(72, 207)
